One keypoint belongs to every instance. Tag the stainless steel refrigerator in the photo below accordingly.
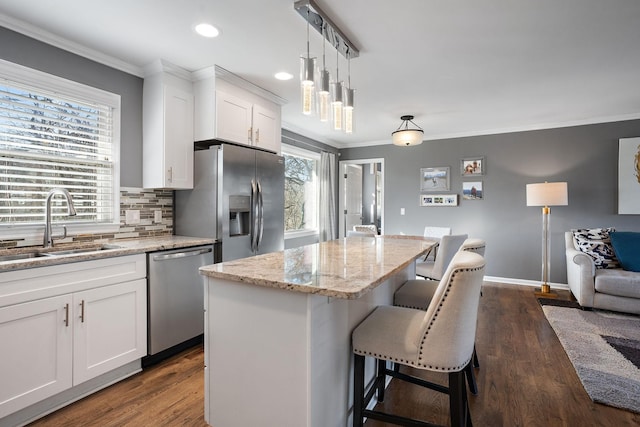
(238, 198)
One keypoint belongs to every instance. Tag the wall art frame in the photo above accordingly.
(629, 176)
(472, 190)
(438, 200)
(472, 166)
(435, 179)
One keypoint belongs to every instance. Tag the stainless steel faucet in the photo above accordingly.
(47, 240)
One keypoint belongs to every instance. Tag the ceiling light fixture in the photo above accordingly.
(336, 98)
(283, 75)
(407, 136)
(207, 30)
(307, 69)
(348, 102)
(332, 96)
(323, 84)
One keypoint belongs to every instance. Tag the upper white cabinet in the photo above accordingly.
(167, 132)
(231, 109)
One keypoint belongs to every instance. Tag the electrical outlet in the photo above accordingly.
(157, 216)
(401, 211)
(132, 216)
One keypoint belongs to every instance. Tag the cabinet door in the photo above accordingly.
(110, 328)
(265, 128)
(178, 135)
(233, 118)
(35, 360)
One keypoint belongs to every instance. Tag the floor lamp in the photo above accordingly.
(547, 194)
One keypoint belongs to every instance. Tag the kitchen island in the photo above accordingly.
(278, 328)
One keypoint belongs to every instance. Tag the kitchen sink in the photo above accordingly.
(79, 250)
(53, 252)
(25, 255)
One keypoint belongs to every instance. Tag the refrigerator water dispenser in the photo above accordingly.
(239, 215)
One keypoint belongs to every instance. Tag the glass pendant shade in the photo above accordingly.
(324, 96)
(348, 110)
(307, 73)
(407, 136)
(336, 105)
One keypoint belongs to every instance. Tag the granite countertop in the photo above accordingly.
(93, 250)
(345, 268)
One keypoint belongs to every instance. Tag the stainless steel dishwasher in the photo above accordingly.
(175, 299)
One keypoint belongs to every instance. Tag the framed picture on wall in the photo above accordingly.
(472, 190)
(434, 179)
(629, 176)
(472, 166)
(438, 200)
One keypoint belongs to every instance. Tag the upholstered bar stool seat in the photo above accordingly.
(438, 339)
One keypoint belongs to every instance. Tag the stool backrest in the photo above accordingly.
(474, 245)
(351, 233)
(436, 232)
(447, 334)
(370, 228)
(449, 245)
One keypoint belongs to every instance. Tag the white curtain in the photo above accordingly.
(328, 227)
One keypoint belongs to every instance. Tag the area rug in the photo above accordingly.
(604, 348)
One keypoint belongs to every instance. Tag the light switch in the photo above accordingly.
(132, 217)
(401, 211)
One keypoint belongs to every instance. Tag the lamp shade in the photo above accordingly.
(547, 194)
(407, 136)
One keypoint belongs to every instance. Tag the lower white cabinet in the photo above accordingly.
(52, 344)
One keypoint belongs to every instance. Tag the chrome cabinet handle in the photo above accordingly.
(258, 135)
(170, 174)
(66, 315)
(82, 312)
(181, 254)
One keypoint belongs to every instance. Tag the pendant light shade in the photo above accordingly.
(307, 78)
(348, 110)
(405, 136)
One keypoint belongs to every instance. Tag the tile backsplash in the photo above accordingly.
(146, 201)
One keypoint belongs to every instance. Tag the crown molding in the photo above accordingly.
(39, 34)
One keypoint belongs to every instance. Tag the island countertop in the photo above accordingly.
(344, 268)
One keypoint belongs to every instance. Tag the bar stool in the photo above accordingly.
(438, 339)
(417, 294)
(449, 245)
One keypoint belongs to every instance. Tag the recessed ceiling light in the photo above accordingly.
(207, 30)
(283, 75)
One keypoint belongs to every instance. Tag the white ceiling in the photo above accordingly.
(462, 67)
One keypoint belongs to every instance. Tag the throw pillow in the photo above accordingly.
(596, 243)
(626, 245)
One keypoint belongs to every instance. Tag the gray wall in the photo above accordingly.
(19, 49)
(585, 156)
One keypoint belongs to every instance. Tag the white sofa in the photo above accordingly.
(608, 288)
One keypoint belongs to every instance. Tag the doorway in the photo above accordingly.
(361, 197)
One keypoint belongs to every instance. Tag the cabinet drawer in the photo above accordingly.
(26, 285)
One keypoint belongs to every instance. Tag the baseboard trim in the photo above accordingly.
(523, 282)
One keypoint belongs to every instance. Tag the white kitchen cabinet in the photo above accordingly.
(64, 325)
(229, 108)
(109, 328)
(36, 352)
(238, 120)
(167, 141)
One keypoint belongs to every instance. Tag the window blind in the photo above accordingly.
(50, 140)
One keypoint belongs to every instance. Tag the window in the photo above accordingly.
(56, 133)
(300, 190)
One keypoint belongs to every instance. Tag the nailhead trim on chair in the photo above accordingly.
(411, 362)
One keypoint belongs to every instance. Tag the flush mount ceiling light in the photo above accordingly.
(407, 136)
(283, 75)
(207, 30)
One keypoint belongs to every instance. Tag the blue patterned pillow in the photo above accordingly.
(596, 243)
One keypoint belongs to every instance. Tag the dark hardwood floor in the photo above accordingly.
(525, 379)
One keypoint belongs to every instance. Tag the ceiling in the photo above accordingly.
(460, 67)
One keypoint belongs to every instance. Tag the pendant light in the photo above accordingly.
(324, 99)
(348, 101)
(407, 136)
(336, 98)
(307, 69)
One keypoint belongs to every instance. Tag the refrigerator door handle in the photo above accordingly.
(254, 216)
(260, 215)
